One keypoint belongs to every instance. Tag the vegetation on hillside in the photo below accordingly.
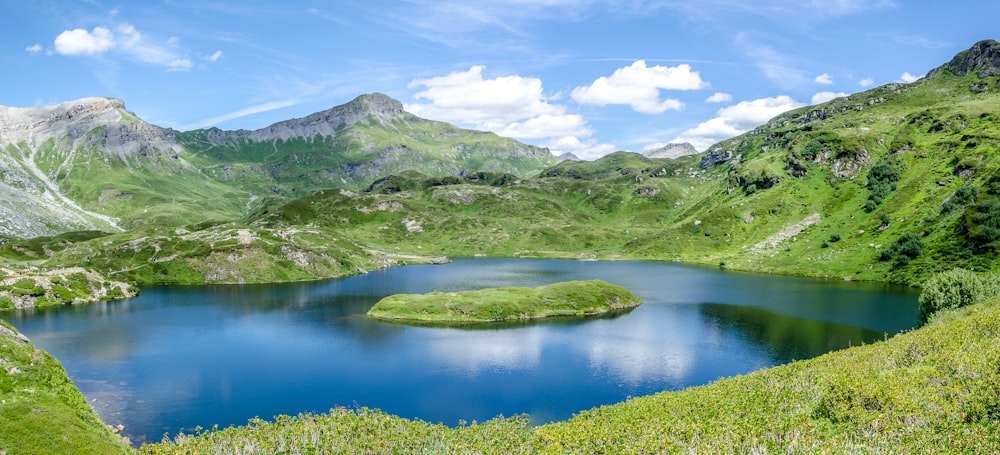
(27, 288)
(41, 411)
(567, 299)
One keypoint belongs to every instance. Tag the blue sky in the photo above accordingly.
(588, 77)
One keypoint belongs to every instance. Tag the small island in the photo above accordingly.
(567, 299)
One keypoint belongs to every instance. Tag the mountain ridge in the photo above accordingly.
(91, 164)
(325, 123)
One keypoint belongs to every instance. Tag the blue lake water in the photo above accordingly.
(179, 357)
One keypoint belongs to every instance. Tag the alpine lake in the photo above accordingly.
(178, 358)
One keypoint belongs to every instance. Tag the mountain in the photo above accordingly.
(568, 156)
(90, 164)
(86, 164)
(671, 151)
(352, 145)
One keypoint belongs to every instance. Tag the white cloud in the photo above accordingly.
(512, 106)
(256, 109)
(735, 120)
(846, 7)
(467, 98)
(180, 64)
(719, 97)
(907, 77)
(81, 42)
(126, 40)
(824, 79)
(34, 49)
(823, 97)
(867, 82)
(214, 57)
(639, 86)
(589, 149)
(773, 64)
(547, 125)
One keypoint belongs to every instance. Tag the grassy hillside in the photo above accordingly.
(142, 189)
(41, 411)
(936, 388)
(228, 253)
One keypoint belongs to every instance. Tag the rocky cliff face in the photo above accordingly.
(983, 57)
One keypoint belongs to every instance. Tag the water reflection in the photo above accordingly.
(178, 357)
(788, 338)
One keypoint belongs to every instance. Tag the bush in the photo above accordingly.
(963, 197)
(982, 223)
(907, 247)
(882, 180)
(955, 288)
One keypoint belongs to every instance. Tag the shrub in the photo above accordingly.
(6, 303)
(982, 223)
(963, 197)
(955, 288)
(907, 247)
(881, 181)
(811, 149)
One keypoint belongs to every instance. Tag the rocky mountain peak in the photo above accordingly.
(373, 106)
(675, 150)
(378, 104)
(983, 57)
(99, 121)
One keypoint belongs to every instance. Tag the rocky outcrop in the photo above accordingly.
(671, 151)
(30, 288)
(715, 157)
(983, 57)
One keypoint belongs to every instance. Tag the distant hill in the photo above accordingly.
(671, 151)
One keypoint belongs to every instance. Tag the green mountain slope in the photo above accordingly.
(352, 145)
(92, 165)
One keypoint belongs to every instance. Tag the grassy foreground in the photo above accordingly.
(933, 390)
(567, 299)
(41, 411)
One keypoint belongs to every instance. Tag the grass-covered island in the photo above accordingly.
(567, 299)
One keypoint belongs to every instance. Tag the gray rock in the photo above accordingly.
(983, 57)
(374, 106)
(671, 151)
(715, 157)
